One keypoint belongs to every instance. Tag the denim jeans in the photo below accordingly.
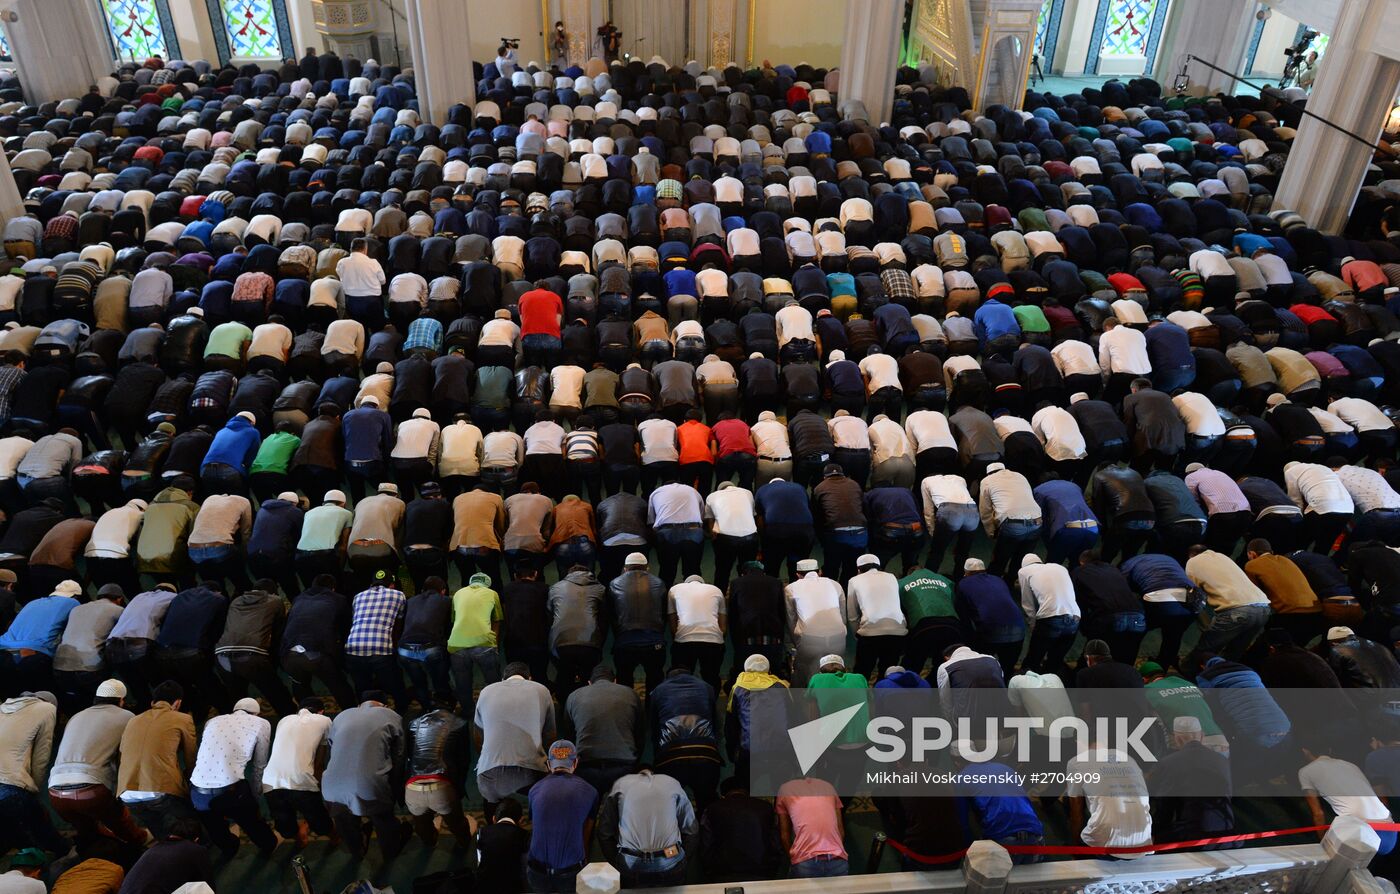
(1051, 640)
(652, 872)
(541, 348)
(1233, 629)
(25, 822)
(840, 549)
(679, 544)
(821, 866)
(464, 661)
(575, 551)
(1067, 543)
(427, 668)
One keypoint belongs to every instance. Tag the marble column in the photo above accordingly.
(442, 65)
(870, 55)
(1211, 30)
(60, 47)
(1354, 88)
(11, 202)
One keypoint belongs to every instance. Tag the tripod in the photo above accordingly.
(1036, 74)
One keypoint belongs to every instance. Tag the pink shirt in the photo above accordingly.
(814, 809)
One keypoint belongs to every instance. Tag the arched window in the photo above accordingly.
(140, 29)
(1126, 35)
(5, 47)
(250, 29)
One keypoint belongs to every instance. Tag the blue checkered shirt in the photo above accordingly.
(374, 615)
(425, 333)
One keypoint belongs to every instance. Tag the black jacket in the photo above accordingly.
(637, 602)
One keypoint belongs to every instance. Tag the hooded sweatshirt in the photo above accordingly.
(26, 741)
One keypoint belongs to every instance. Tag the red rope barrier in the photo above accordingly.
(1086, 851)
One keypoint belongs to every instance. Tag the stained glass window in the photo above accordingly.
(1126, 31)
(1042, 25)
(135, 27)
(252, 28)
(4, 46)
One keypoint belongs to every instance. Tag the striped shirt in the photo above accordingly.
(581, 445)
(374, 615)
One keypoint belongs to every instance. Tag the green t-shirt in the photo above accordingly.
(832, 692)
(473, 610)
(1172, 697)
(227, 340)
(925, 594)
(1031, 318)
(275, 453)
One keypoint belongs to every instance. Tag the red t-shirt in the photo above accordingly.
(540, 311)
(1311, 313)
(733, 436)
(694, 440)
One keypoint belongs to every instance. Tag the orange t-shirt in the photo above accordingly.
(694, 438)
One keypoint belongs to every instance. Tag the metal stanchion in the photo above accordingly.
(877, 853)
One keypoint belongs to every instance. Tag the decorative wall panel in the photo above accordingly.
(943, 38)
(251, 29)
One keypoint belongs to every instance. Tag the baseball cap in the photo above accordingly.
(1337, 633)
(1148, 668)
(334, 496)
(867, 560)
(806, 565)
(111, 689)
(831, 469)
(635, 559)
(562, 755)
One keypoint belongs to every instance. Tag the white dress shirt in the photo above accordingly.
(928, 429)
(1075, 358)
(1200, 414)
(1059, 432)
(1123, 349)
(1360, 414)
(880, 371)
(1368, 488)
(731, 508)
(888, 441)
(770, 437)
(1316, 488)
(849, 432)
(872, 604)
(1046, 590)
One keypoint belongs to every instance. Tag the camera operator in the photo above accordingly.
(507, 60)
(1301, 67)
(609, 42)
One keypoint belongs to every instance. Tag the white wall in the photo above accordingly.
(490, 20)
(1278, 35)
(1076, 27)
(793, 31)
(193, 30)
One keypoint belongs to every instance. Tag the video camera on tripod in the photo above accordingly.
(1296, 56)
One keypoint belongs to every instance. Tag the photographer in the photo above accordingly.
(507, 59)
(609, 42)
